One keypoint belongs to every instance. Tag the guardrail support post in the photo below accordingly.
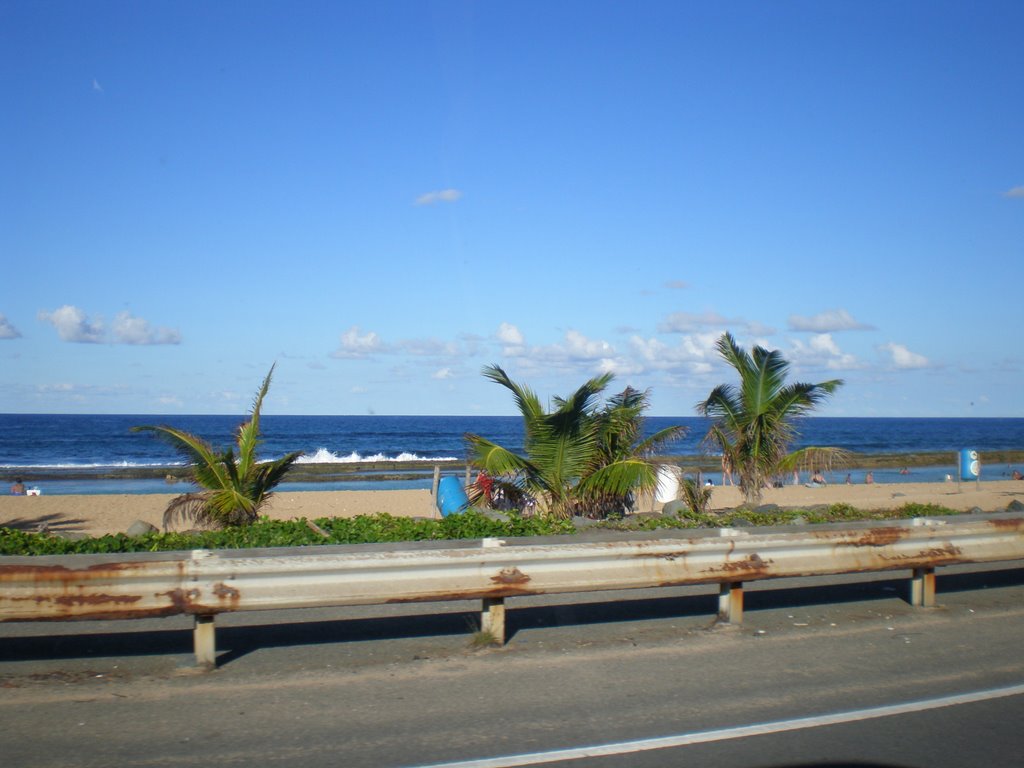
(922, 588)
(205, 642)
(730, 602)
(492, 619)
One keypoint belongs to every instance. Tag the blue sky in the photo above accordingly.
(383, 197)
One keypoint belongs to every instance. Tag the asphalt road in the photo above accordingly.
(400, 685)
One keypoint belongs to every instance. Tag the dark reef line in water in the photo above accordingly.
(412, 470)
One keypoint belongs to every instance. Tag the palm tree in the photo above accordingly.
(234, 488)
(579, 457)
(626, 460)
(753, 423)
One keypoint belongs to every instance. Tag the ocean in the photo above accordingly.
(70, 448)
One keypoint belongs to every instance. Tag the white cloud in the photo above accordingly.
(1014, 192)
(427, 348)
(685, 322)
(619, 367)
(827, 322)
(354, 346)
(8, 331)
(443, 373)
(72, 325)
(692, 354)
(509, 334)
(688, 322)
(96, 86)
(821, 350)
(512, 340)
(677, 285)
(438, 196)
(579, 347)
(134, 330)
(901, 357)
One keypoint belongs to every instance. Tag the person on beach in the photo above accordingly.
(726, 471)
(485, 484)
(849, 479)
(869, 478)
(18, 487)
(817, 479)
(1017, 475)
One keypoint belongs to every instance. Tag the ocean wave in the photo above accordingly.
(324, 456)
(97, 465)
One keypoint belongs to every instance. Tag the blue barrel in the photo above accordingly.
(451, 496)
(970, 464)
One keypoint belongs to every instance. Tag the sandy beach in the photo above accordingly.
(102, 514)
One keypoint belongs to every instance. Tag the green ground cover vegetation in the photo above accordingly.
(383, 528)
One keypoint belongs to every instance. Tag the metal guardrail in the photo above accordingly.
(203, 583)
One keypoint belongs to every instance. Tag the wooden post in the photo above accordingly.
(437, 481)
(205, 642)
(492, 619)
(922, 588)
(730, 602)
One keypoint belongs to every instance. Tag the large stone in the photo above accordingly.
(674, 508)
(1015, 506)
(141, 528)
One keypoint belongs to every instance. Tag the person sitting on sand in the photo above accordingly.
(817, 479)
(869, 478)
(18, 488)
(1017, 475)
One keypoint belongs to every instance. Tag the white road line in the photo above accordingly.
(724, 734)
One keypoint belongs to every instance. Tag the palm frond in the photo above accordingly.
(815, 457)
(248, 437)
(621, 478)
(654, 444)
(190, 508)
(493, 458)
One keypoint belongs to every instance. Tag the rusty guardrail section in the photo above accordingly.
(203, 583)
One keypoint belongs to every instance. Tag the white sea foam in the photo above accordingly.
(98, 465)
(324, 456)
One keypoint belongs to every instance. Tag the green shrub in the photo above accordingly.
(364, 529)
(381, 528)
